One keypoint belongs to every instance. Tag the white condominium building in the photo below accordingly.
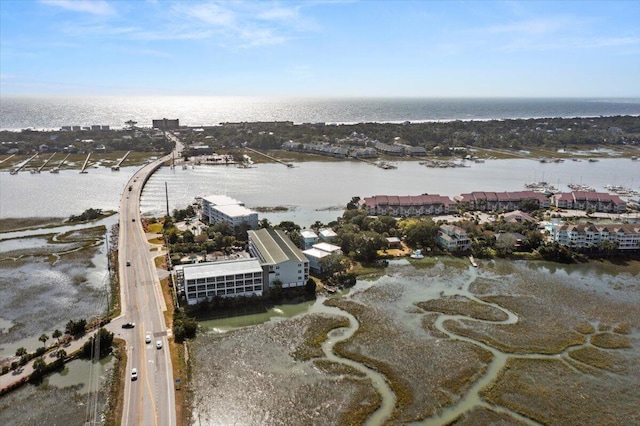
(281, 258)
(626, 236)
(220, 208)
(201, 281)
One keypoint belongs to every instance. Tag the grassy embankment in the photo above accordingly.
(178, 351)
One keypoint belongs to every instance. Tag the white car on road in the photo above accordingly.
(147, 338)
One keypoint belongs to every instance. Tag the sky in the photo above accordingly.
(320, 48)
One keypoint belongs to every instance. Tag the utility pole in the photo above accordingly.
(166, 196)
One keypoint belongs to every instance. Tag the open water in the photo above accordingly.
(53, 112)
(310, 191)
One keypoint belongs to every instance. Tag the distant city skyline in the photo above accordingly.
(320, 48)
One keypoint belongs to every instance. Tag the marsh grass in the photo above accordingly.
(315, 334)
(538, 330)
(610, 341)
(598, 358)
(485, 416)
(22, 224)
(550, 392)
(461, 305)
(424, 376)
(336, 368)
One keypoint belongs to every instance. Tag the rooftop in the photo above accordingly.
(226, 267)
(275, 246)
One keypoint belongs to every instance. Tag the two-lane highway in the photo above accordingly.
(150, 399)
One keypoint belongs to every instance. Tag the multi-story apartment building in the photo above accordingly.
(506, 201)
(409, 205)
(280, 258)
(231, 278)
(596, 201)
(220, 208)
(627, 236)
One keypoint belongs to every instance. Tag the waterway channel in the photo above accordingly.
(434, 359)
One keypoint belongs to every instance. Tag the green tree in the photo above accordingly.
(367, 244)
(43, 338)
(288, 226)
(353, 204)
(264, 224)
(61, 354)
(334, 263)
(39, 365)
(310, 286)
(421, 233)
(172, 236)
(105, 340)
(21, 351)
(76, 328)
(57, 334)
(187, 236)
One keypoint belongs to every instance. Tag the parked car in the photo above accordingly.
(128, 325)
(134, 374)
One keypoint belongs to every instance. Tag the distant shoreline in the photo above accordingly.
(53, 112)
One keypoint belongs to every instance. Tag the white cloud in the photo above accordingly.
(245, 24)
(537, 26)
(97, 7)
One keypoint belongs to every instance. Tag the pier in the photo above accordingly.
(2, 161)
(20, 167)
(57, 168)
(84, 166)
(39, 169)
(116, 167)
(269, 157)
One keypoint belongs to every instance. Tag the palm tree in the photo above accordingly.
(56, 335)
(39, 364)
(43, 338)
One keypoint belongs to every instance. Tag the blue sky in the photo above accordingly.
(321, 48)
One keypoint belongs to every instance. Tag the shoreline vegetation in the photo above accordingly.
(552, 138)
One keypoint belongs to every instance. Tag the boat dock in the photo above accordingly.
(39, 169)
(269, 157)
(84, 166)
(20, 167)
(2, 161)
(56, 169)
(116, 167)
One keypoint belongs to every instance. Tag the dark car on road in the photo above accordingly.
(128, 325)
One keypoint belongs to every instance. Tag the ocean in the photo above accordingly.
(51, 113)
